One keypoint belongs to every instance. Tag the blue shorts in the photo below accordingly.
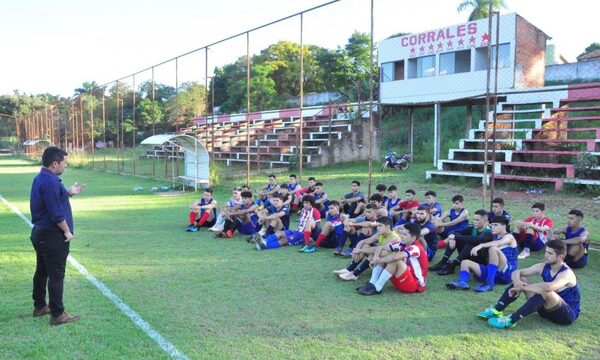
(248, 228)
(562, 315)
(430, 253)
(294, 237)
(502, 277)
(579, 264)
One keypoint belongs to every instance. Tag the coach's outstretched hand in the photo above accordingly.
(77, 189)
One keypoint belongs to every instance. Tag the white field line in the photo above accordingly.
(164, 344)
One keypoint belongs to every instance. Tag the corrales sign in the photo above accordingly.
(446, 39)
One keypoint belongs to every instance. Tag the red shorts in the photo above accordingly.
(407, 282)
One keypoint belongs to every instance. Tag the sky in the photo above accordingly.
(54, 46)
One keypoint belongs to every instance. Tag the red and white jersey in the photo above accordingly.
(544, 221)
(416, 259)
(306, 216)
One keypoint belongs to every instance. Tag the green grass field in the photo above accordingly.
(223, 299)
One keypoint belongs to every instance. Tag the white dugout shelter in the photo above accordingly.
(196, 157)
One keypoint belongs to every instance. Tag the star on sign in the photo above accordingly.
(485, 37)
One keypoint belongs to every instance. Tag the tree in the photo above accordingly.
(150, 112)
(480, 8)
(190, 103)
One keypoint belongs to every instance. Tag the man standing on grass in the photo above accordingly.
(51, 235)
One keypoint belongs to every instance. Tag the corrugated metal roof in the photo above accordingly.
(34, 142)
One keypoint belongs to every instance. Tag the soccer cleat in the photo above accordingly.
(504, 322)
(349, 276)
(310, 250)
(448, 268)
(453, 285)
(253, 238)
(193, 228)
(347, 253)
(490, 312)
(260, 245)
(524, 254)
(341, 271)
(229, 234)
(371, 290)
(216, 229)
(337, 251)
(365, 286)
(484, 288)
(438, 266)
(303, 248)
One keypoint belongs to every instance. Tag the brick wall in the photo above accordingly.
(531, 55)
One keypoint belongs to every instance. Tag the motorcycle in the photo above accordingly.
(393, 161)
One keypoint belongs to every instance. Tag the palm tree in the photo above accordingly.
(480, 7)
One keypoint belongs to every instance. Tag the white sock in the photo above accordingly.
(385, 276)
(375, 274)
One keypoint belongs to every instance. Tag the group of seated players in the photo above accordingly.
(397, 238)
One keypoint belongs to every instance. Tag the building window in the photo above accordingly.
(503, 57)
(392, 71)
(421, 67)
(455, 62)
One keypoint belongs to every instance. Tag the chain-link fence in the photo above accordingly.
(467, 98)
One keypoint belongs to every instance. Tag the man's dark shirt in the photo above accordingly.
(49, 202)
(470, 235)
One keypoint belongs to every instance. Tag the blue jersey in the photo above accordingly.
(293, 187)
(512, 256)
(338, 224)
(325, 204)
(570, 295)
(203, 203)
(437, 207)
(285, 219)
(461, 225)
(432, 238)
(393, 203)
(253, 216)
(505, 215)
(569, 234)
(354, 195)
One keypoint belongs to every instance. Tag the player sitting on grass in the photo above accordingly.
(308, 226)
(244, 219)
(274, 218)
(203, 213)
(267, 191)
(381, 189)
(459, 218)
(351, 200)
(502, 252)
(357, 231)
(498, 210)
(365, 248)
(310, 190)
(464, 241)
(576, 238)
(403, 262)
(431, 201)
(556, 298)
(406, 208)
(532, 233)
(233, 204)
(321, 199)
(294, 189)
(332, 232)
(392, 200)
